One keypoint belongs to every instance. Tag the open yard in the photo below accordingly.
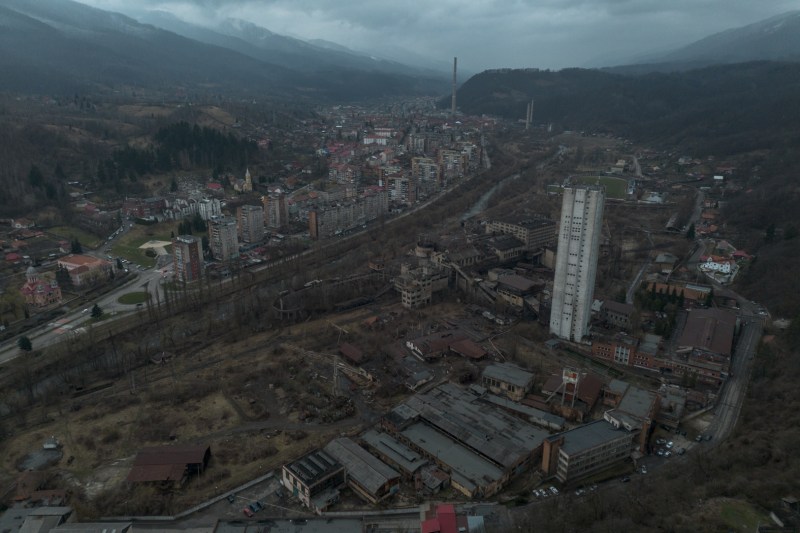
(615, 187)
(127, 246)
(68, 233)
(739, 515)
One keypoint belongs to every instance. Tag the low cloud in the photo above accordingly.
(484, 33)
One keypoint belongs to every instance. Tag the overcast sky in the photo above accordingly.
(485, 33)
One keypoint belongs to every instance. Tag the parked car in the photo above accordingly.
(247, 512)
(698, 438)
(231, 498)
(554, 491)
(644, 469)
(626, 479)
(670, 444)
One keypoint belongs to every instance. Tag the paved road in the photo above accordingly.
(732, 397)
(53, 332)
(637, 168)
(698, 208)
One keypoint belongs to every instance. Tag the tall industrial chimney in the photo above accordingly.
(528, 116)
(453, 101)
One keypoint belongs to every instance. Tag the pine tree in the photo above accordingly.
(25, 344)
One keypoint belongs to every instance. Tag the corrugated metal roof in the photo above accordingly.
(363, 467)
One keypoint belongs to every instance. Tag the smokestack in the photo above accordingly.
(453, 101)
(530, 113)
(528, 116)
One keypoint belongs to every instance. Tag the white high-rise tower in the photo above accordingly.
(576, 261)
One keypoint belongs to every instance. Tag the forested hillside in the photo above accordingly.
(180, 146)
(719, 110)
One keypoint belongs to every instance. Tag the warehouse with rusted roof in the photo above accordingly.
(169, 464)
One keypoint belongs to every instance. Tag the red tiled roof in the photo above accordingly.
(76, 260)
(444, 522)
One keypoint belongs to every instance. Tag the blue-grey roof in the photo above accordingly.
(618, 386)
(497, 435)
(508, 373)
(396, 451)
(637, 402)
(590, 436)
(461, 460)
(363, 467)
(537, 416)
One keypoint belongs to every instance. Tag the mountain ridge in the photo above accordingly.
(62, 45)
(776, 38)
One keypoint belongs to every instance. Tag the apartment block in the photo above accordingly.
(424, 169)
(276, 211)
(452, 165)
(187, 258)
(576, 261)
(209, 207)
(251, 223)
(222, 238)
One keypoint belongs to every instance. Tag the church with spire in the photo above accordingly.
(40, 292)
(245, 185)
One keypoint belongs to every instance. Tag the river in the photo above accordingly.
(483, 201)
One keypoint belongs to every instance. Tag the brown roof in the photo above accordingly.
(166, 463)
(516, 282)
(589, 387)
(710, 330)
(688, 293)
(54, 497)
(468, 348)
(616, 307)
(27, 483)
(351, 352)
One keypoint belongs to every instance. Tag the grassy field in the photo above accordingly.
(132, 298)
(741, 516)
(127, 246)
(68, 233)
(615, 187)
